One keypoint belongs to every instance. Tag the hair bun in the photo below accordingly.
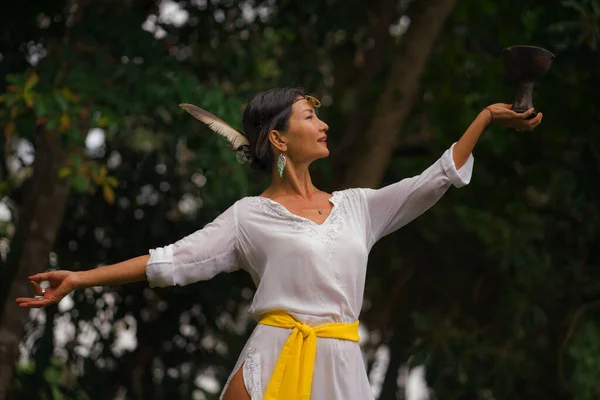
(258, 165)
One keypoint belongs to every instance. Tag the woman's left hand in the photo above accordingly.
(502, 114)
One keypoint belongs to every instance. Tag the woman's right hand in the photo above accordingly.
(61, 284)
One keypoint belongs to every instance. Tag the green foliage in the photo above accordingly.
(510, 255)
(583, 354)
(54, 384)
(482, 289)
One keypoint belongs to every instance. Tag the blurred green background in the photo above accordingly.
(495, 291)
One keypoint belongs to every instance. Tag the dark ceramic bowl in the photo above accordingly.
(526, 63)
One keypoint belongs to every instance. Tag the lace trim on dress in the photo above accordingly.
(252, 374)
(326, 232)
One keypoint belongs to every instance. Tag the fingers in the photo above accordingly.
(28, 302)
(521, 115)
(24, 299)
(36, 287)
(514, 114)
(536, 121)
(43, 276)
(526, 114)
(32, 302)
(532, 123)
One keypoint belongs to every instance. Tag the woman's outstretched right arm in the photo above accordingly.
(132, 270)
(64, 282)
(196, 257)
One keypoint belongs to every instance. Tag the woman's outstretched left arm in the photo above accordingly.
(395, 205)
(499, 113)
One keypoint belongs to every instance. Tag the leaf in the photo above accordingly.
(9, 129)
(109, 194)
(14, 79)
(40, 108)
(4, 186)
(84, 114)
(94, 174)
(103, 122)
(74, 134)
(14, 112)
(28, 98)
(62, 102)
(41, 121)
(75, 160)
(13, 88)
(52, 124)
(32, 80)
(112, 181)
(69, 95)
(10, 99)
(64, 172)
(64, 123)
(80, 183)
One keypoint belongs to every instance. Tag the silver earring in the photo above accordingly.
(281, 164)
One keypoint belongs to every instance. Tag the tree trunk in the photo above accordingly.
(371, 153)
(42, 217)
(363, 78)
(389, 387)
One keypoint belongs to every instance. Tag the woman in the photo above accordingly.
(305, 249)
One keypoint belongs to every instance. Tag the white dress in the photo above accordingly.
(314, 272)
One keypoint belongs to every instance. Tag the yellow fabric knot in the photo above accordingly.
(292, 376)
(305, 330)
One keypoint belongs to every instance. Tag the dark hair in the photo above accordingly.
(267, 111)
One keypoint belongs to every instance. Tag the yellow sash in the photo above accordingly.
(292, 376)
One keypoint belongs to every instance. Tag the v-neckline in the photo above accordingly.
(331, 200)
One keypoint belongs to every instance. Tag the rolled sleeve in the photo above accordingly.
(458, 177)
(160, 270)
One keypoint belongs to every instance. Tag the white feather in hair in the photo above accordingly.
(217, 125)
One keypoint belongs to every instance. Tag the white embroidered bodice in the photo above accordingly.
(314, 272)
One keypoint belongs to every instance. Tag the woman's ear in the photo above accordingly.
(278, 140)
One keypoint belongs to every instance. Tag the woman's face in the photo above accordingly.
(306, 138)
